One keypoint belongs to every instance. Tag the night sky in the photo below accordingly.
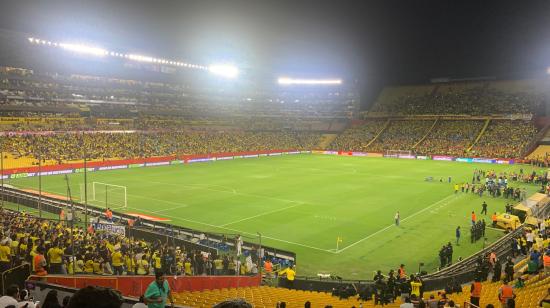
(375, 42)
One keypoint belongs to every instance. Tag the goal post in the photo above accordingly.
(398, 153)
(106, 195)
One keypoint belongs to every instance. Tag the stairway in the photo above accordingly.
(326, 140)
(426, 135)
(480, 134)
(379, 133)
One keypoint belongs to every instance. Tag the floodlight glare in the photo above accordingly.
(140, 58)
(291, 81)
(224, 70)
(548, 70)
(95, 51)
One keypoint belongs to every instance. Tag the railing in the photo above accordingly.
(189, 238)
(15, 275)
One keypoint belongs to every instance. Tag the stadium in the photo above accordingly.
(239, 154)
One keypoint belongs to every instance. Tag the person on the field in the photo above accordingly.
(239, 244)
(457, 235)
(473, 218)
(397, 218)
(449, 253)
(484, 208)
(456, 188)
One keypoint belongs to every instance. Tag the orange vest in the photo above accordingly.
(476, 292)
(38, 268)
(494, 217)
(268, 266)
(546, 260)
(402, 273)
(507, 293)
(473, 217)
(131, 222)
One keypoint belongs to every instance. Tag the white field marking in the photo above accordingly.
(171, 208)
(261, 214)
(233, 230)
(235, 193)
(233, 190)
(392, 225)
(178, 204)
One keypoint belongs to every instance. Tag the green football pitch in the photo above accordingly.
(303, 203)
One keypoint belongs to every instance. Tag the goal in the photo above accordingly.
(398, 153)
(106, 195)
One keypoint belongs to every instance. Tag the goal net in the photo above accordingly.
(106, 195)
(398, 153)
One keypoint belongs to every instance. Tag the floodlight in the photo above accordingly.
(95, 51)
(291, 81)
(548, 70)
(31, 40)
(224, 70)
(140, 58)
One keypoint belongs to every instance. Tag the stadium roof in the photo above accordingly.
(376, 42)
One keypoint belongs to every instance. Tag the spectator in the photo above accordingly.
(96, 297)
(51, 300)
(11, 297)
(158, 291)
(234, 303)
(141, 303)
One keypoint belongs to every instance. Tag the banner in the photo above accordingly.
(446, 158)
(483, 160)
(464, 160)
(110, 228)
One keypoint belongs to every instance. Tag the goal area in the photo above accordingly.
(106, 195)
(398, 153)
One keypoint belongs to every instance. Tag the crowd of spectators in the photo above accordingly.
(357, 138)
(114, 97)
(471, 99)
(401, 135)
(71, 146)
(501, 139)
(450, 137)
(505, 139)
(53, 247)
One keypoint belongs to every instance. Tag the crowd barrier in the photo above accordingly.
(137, 163)
(483, 160)
(135, 286)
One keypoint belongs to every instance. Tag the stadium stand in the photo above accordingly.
(505, 139)
(401, 135)
(67, 147)
(471, 98)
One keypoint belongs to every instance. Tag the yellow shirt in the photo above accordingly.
(5, 253)
(143, 267)
(14, 247)
(110, 246)
(156, 260)
(89, 266)
(130, 264)
(415, 288)
(117, 258)
(187, 268)
(290, 274)
(55, 254)
(97, 268)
